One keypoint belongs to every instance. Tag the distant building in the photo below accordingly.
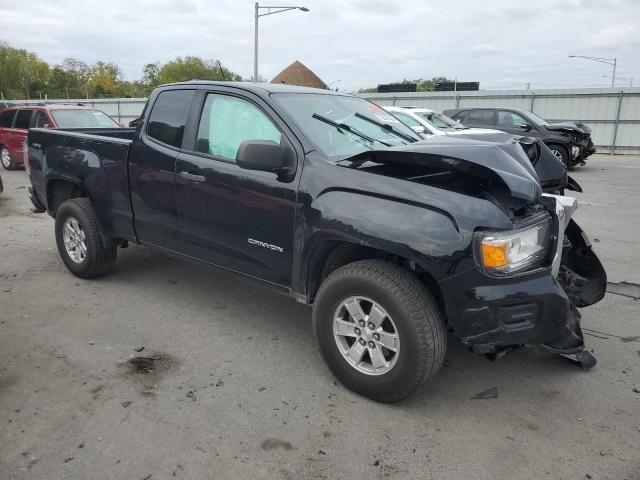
(298, 74)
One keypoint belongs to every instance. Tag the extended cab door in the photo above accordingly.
(235, 218)
(152, 166)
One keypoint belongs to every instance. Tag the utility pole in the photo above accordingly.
(608, 61)
(257, 15)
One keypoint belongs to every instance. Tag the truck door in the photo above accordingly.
(18, 134)
(152, 164)
(235, 218)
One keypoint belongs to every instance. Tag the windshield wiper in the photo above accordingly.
(388, 128)
(348, 128)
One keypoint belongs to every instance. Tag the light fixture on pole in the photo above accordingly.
(608, 61)
(270, 11)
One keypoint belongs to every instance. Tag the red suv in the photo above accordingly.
(16, 120)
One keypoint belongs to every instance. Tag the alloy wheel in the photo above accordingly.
(5, 158)
(74, 240)
(366, 335)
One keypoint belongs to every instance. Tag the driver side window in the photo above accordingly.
(228, 121)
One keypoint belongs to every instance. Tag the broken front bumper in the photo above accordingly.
(536, 307)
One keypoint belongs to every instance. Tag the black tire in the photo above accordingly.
(11, 164)
(99, 259)
(561, 153)
(415, 313)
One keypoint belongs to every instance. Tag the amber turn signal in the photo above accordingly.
(494, 254)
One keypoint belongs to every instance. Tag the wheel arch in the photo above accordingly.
(59, 190)
(328, 255)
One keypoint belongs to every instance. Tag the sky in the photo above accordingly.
(350, 44)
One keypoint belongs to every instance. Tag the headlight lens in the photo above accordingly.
(514, 250)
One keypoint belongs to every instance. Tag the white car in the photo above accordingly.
(429, 123)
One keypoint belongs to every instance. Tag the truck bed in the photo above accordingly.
(95, 160)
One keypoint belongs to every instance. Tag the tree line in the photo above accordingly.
(23, 75)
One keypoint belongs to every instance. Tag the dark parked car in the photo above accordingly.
(569, 141)
(15, 121)
(394, 241)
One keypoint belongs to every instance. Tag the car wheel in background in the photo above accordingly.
(379, 329)
(6, 160)
(560, 153)
(79, 242)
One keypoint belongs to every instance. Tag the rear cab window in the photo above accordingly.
(168, 118)
(6, 118)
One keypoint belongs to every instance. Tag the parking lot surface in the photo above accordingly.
(230, 383)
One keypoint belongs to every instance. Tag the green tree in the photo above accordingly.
(70, 79)
(103, 79)
(194, 68)
(22, 73)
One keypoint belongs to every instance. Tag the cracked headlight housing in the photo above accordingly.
(514, 250)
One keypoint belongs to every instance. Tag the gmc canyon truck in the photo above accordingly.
(393, 240)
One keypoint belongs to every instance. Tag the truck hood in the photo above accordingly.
(497, 164)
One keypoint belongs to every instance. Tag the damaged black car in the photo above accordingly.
(395, 242)
(569, 141)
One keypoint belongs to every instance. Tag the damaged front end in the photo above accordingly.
(534, 298)
(581, 275)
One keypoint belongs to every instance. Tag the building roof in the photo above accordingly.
(299, 74)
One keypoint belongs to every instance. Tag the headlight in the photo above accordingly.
(514, 250)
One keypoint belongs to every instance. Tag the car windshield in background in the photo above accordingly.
(83, 119)
(342, 126)
(441, 122)
(537, 119)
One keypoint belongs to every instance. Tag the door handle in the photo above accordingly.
(192, 177)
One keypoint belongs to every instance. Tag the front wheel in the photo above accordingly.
(6, 160)
(79, 242)
(379, 329)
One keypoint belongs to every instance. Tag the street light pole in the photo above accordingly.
(255, 47)
(608, 61)
(270, 11)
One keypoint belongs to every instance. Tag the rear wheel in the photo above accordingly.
(6, 160)
(79, 242)
(560, 153)
(379, 329)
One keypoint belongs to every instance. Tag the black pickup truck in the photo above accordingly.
(325, 197)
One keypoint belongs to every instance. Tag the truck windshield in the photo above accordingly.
(441, 122)
(342, 126)
(83, 119)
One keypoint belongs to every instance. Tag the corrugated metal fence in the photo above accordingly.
(613, 114)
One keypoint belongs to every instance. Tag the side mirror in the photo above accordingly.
(526, 127)
(267, 156)
(46, 125)
(418, 129)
